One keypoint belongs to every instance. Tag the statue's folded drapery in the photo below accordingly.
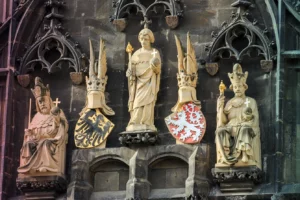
(39, 151)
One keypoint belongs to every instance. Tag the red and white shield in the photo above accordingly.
(188, 126)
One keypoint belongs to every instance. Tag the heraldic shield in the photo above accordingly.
(188, 125)
(92, 129)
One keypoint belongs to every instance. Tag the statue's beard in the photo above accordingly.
(45, 111)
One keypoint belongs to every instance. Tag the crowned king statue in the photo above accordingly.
(237, 134)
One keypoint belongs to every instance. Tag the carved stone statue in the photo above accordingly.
(237, 134)
(93, 128)
(143, 74)
(187, 123)
(43, 150)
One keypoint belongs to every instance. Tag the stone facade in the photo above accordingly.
(164, 170)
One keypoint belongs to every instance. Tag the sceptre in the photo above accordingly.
(222, 87)
(129, 50)
(29, 117)
(131, 84)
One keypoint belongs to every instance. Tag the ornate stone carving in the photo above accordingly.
(236, 198)
(93, 128)
(233, 179)
(250, 173)
(24, 80)
(43, 151)
(138, 137)
(187, 123)
(143, 74)
(237, 134)
(53, 40)
(212, 68)
(241, 38)
(123, 7)
(40, 184)
(294, 8)
(21, 4)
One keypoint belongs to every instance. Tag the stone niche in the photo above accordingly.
(154, 172)
(172, 173)
(110, 176)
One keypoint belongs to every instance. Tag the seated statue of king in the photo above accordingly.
(238, 134)
(43, 150)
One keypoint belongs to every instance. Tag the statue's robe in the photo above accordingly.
(39, 150)
(142, 99)
(241, 135)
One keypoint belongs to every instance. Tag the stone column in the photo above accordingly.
(80, 187)
(138, 187)
(197, 184)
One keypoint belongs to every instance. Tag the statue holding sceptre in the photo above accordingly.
(237, 133)
(143, 74)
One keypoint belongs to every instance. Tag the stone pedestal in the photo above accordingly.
(42, 187)
(237, 179)
(138, 137)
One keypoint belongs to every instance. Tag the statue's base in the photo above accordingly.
(237, 179)
(41, 187)
(138, 137)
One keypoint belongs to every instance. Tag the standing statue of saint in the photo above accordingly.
(43, 149)
(237, 134)
(143, 74)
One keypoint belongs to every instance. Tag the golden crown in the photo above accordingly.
(187, 79)
(97, 72)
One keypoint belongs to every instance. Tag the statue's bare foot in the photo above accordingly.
(245, 158)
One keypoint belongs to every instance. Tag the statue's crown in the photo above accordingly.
(93, 83)
(237, 76)
(185, 79)
(97, 78)
(40, 89)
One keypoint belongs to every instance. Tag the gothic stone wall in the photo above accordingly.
(86, 19)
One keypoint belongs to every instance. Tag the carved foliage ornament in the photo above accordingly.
(54, 48)
(294, 7)
(123, 8)
(240, 38)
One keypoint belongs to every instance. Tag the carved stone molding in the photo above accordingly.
(236, 198)
(42, 183)
(138, 137)
(240, 174)
(124, 7)
(294, 7)
(24, 80)
(21, 3)
(237, 178)
(54, 48)
(241, 38)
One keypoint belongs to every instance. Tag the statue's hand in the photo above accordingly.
(128, 72)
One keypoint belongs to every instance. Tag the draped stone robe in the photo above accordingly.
(240, 134)
(143, 91)
(41, 150)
